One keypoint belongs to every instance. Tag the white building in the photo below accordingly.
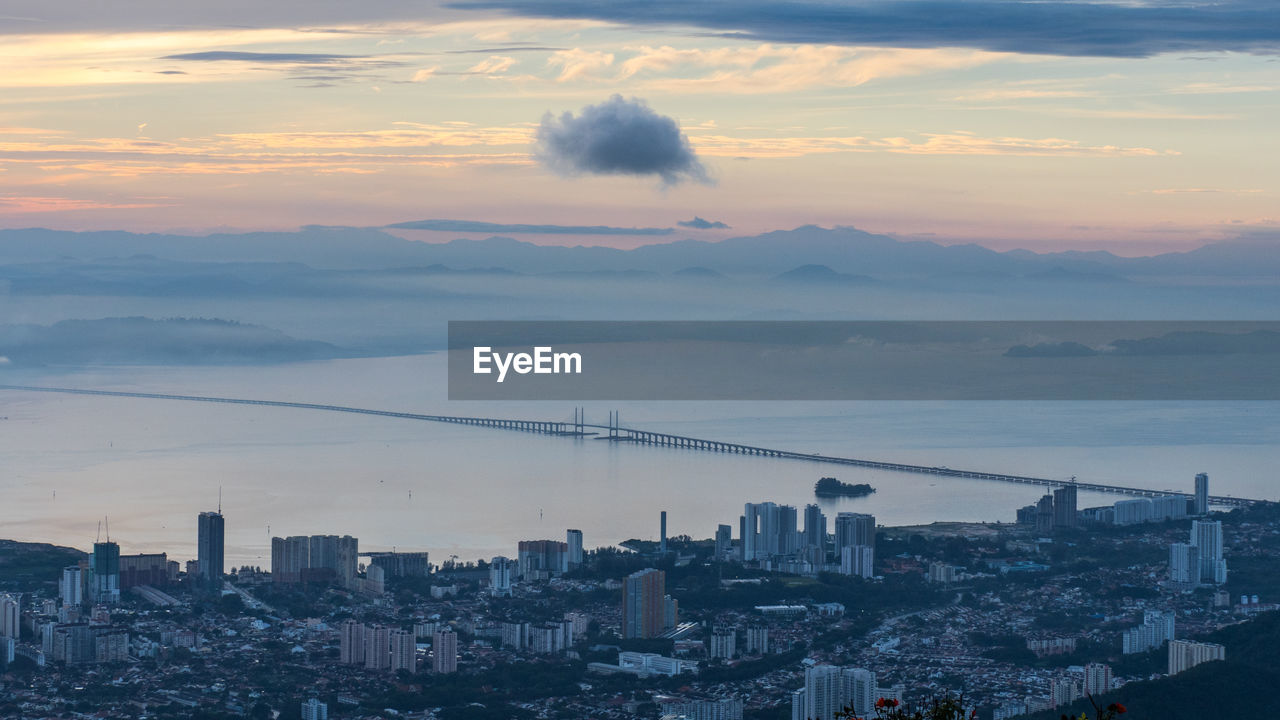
(1185, 654)
(724, 643)
(829, 690)
(1097, 678)
(313, 709)
(501, 571)
(1156, 629)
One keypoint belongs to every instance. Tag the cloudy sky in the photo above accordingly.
(1131, 126)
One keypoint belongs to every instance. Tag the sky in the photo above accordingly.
(1136, 127)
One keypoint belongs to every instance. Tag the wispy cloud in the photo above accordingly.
(576, 62)
(1042, 27)
(928, 144)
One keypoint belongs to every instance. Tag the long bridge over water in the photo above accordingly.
(614, 431)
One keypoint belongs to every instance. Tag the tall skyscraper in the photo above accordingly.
(757, 640)
(1206, 535)
(290, 557)
(1064, 506)
(829, 690)
(574, 540)
(542, 557)
(444, 652)
(1044, 515)
(643, 604)
(1097, 678)
(662, 543)
(10, 616)
(1184, 563)
(351, 643)
(377, 647)
(71, 588)
(104, 573)
(767, 530)
(1200, 506)
(501, 572)
(815, 527)
(404, 651)
(209, 550)
(854, 529)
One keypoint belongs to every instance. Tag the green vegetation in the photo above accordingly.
(829, 487)
(28, 567)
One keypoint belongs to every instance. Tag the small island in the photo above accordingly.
(830, 487)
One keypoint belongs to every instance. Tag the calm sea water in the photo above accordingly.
(150, 466)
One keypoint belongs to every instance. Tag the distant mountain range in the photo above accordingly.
(807, 253)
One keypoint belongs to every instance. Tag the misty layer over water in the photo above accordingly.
(152, 465)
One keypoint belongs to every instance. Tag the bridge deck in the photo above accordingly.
(618, 433)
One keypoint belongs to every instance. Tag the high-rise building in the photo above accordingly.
(718, 709)
(542, 558)
(351, 643)
(1156, 629)
(1132, 512)
(404, 651)
(1097, 678)
(768, 529)
(10, 616)
(290, 557)
(501, 570)
(211, 540)
(1064, 691)
(1184, 563)
(144, 569)
(858, 560)
(71, 588)
(724, 541)
(854, 529)
(1200, 505)
(377, 647)
(662, 533)
(757, 640)
(643, 604)
(1186, 654)
(104, 573)
(828, 690)
(1064, 506)
(348, 554)
(815, 527)
(1206, 535)
(1044, 515)
(444, 652)
(8, 650)
(574, 539)
(313, 709)
(724, 643)
(395, 564)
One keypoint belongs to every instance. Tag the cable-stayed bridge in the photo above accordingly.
(616, 432)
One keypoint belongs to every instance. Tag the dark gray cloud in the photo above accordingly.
(473, 226)
(620, 136)
(505, 49)
(1049, 27)
(698, 223)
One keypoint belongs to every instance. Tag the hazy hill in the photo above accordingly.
(843, 249)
